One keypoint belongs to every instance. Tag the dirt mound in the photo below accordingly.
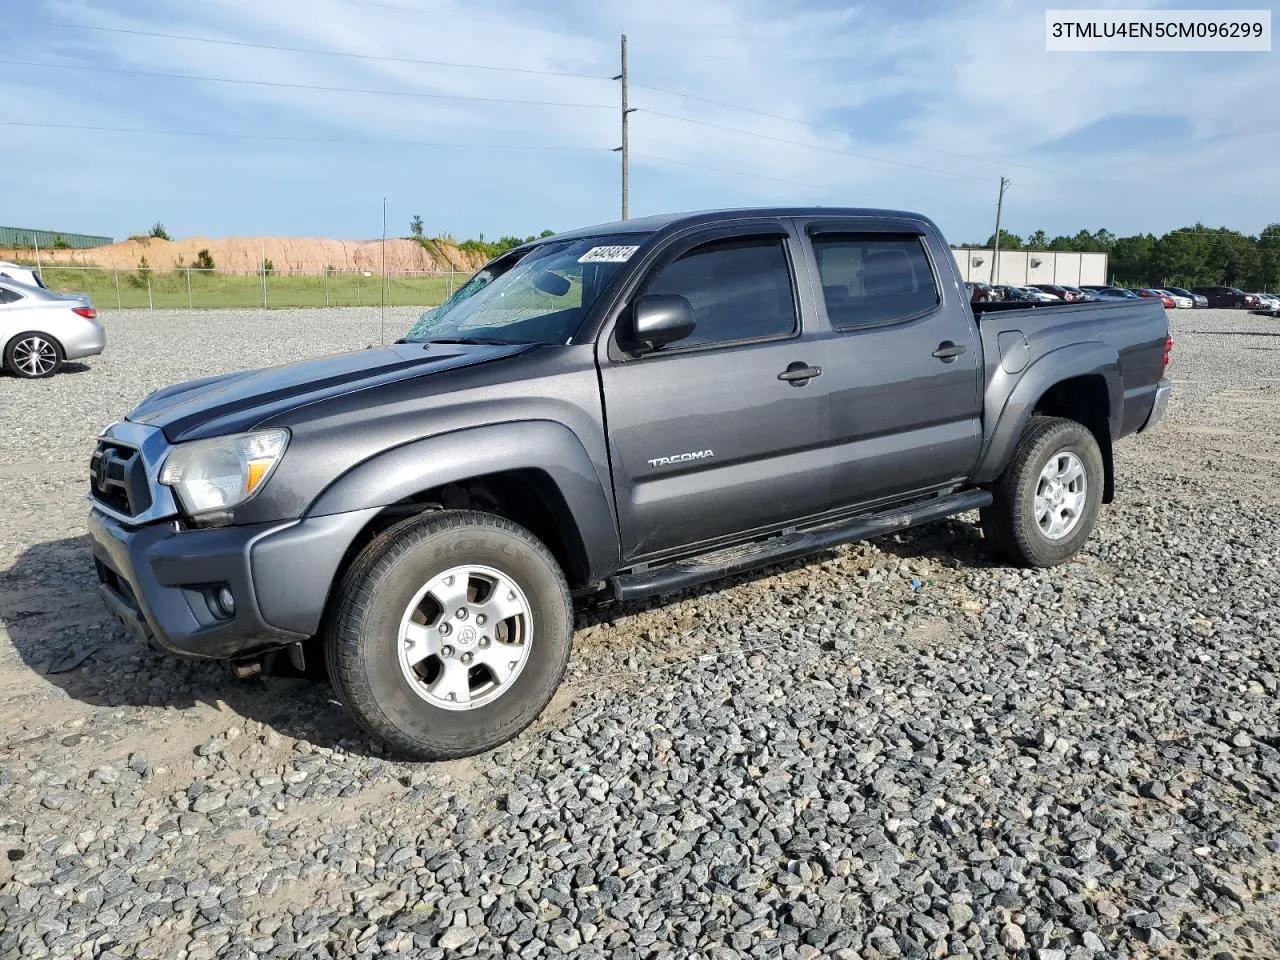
(297, 255)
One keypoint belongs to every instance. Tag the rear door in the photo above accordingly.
(706, 440)
(904, 365)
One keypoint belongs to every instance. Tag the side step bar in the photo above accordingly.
(724, 563)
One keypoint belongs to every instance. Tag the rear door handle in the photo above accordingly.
(799, 373)
(948, 351)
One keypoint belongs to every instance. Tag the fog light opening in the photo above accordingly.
(225, 602)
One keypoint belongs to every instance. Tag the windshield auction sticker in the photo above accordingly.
(608, 255)
(1137, 31)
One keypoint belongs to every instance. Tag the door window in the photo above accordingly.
(870, 279)
(739, 290)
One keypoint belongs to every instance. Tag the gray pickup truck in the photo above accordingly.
(619, 412)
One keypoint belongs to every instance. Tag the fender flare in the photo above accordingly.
(543, 445)
(1010, 417)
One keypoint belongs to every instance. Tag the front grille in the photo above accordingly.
(118, 479)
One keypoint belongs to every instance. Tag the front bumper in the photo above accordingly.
(161, 581)
(1159, 404)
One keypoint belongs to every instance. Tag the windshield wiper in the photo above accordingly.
(473, 341)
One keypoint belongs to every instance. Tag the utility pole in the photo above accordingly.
(995, 260)
(625, 149)
(382, 333)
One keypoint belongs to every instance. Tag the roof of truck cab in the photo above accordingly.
(702, 217)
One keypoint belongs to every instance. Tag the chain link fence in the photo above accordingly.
(195, 288)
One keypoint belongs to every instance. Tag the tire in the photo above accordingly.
(33, 355)
(1011, 521)
(397, 600)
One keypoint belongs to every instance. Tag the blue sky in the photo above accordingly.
(911, 105)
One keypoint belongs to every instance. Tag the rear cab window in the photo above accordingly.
(874, 278)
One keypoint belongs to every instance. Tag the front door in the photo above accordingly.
(706, 440)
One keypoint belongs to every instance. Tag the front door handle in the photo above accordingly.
(799, 373)
(948, 351)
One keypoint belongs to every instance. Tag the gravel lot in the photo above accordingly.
(828, 759)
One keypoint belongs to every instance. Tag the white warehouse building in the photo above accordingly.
(1024, 267)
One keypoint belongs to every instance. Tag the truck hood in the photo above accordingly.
(215, 406)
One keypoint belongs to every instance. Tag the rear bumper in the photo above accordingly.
(162, 582)
(89, 341)
(1159, 404)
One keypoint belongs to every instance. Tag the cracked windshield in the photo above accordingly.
(540, 297)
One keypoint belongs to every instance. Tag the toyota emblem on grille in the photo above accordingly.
(100, 470)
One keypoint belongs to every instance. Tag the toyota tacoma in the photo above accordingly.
(615, 412)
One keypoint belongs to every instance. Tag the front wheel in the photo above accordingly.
(450, 633)
(1046, 502)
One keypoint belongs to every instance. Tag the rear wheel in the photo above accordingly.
(450, 633)
(1046, 502)
(33, 355)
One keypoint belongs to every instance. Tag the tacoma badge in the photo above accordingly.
(681, 458)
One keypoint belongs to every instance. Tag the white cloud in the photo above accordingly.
(973, 81)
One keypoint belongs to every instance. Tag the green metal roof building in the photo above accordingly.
(48, 239)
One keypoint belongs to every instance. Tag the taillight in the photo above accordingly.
(87, 312)
(1168, 348)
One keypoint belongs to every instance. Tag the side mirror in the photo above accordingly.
(659, 319)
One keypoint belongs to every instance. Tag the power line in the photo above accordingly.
(430, 13)
(829, 129)
(358, 141)
(812, 146)
(737, 173)
(583, 76)
(303, 86)
(324, 53)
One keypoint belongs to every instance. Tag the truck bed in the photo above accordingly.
(1120, 342)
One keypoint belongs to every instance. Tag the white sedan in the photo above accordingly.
(1179, 301)
(40, 329)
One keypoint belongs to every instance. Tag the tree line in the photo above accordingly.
(1185, 257)
(488, 248)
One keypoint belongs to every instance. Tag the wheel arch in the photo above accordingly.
(535, 473)
(1081, 383)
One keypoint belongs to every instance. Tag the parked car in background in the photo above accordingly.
(1265, 302)
(1061, 292)
(1041, 296)
(1198, 300)
(40, 329)
(1013, 294)
(1153, 294)
(1232, 297)
(1179, 301)
(1080, 293)
(1113, 293)
(980, 292)
(16, 271)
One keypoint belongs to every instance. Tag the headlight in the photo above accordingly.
(223, 472)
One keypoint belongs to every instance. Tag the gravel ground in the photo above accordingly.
(896, 749)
